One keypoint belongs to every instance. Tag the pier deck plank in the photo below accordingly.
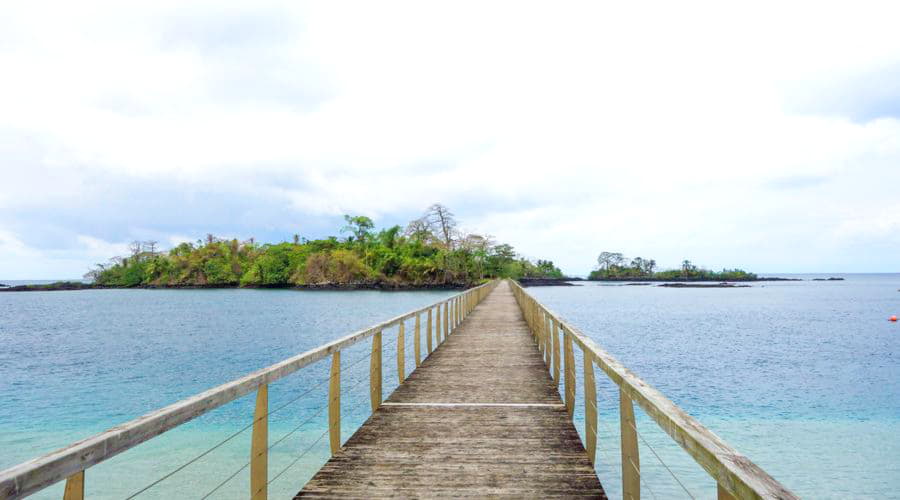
(480, 417)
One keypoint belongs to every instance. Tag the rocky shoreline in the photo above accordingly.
(526, 282)
(691, 280)
(74, 285)
(703, 285)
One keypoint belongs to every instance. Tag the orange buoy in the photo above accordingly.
(892, 318)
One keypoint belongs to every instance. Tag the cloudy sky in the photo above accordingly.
(765, 137)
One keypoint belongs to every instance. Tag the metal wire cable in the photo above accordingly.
(641, 478)
(307, 450)
(240, 431)
(663, 463)
(229, 478)
(652, 450)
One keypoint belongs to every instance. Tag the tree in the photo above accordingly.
(607, 260)
(687, 267)
(359, 225)
(441, 222)
(135, 247)
(419, 230)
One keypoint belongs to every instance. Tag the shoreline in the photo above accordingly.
(636, 279)
(75, 286)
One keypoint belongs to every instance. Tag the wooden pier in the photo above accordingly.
(480, 417)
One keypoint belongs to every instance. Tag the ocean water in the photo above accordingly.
(802, 377)
(73, 364)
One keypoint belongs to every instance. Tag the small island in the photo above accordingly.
(430, 252)
(614, 266)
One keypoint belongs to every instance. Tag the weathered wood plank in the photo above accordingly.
(480, 417)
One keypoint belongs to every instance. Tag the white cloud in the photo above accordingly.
(692, 130)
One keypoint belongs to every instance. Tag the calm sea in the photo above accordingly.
(802, 377)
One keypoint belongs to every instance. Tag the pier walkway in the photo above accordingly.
(480, 417)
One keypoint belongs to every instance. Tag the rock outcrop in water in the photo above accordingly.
(703, 285)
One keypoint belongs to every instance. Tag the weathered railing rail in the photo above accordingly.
(70, 463)
(735, 474)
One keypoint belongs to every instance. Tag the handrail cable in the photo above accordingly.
(319, 411)
(641, 478)
(652, 450)
(237, 433)
(310, 447)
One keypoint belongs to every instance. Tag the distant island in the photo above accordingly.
(614, 266)
(429, 252)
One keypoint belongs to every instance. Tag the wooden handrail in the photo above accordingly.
(734, 472)
(36, 474)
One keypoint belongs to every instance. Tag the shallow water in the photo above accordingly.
(801, 377)
(76, 363)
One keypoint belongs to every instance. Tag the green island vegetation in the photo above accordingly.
(430, 251)
(614, 266)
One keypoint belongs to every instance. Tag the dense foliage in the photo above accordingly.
(614, 266)
(429, 252)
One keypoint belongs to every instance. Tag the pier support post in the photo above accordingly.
(556, 358)
(631, 462)
(590, 407)
(428, 334)
(259, 447)
(723, 494)
(334, 404)
(401, 354)
(570, 374)
(375, 373)
(417, 340)
(437, 328)
(74, 487)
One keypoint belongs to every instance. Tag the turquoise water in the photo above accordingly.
(76, 363)
(802, 377)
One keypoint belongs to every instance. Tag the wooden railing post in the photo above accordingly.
(259, 447)
(446, 319)
(375, 372)
(334, 403)
(547, 346)
(417, 340)
(74, 487)
(556, 358)
(631, 463)
(570, 373)
(428, 333)
(438, 335)
(723, 494)
(401, 353)
(590, 406)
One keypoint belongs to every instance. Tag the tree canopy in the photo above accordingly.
(612, 266)
(432, 251)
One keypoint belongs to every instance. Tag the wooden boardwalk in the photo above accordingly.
(480, 417)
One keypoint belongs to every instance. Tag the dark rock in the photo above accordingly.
(703, 285)
(545, 282)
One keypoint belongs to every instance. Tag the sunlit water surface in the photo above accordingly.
(802, 377)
